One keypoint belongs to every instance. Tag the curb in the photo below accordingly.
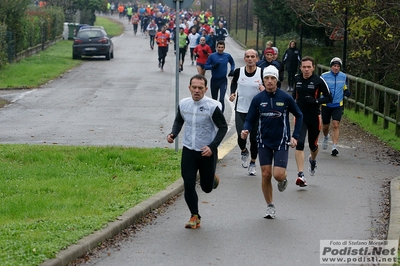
(129, 217)
(91, 241)
(394, 217)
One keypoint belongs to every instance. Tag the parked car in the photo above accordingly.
(92, 41)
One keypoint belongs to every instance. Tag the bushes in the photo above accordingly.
(35, 27)
(3, 44)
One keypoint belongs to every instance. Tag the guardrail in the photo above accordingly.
(372, 98)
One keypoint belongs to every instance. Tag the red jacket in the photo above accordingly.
(203, 52)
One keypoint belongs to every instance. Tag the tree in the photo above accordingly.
(275, 15)
(74, 5)
(87, 8)
(374, 32)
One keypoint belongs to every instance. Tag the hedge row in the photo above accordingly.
(38, 26)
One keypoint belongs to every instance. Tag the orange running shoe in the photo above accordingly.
(194, 222)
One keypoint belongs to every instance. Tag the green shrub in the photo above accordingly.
(3, 45)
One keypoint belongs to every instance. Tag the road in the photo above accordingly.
(127, 101)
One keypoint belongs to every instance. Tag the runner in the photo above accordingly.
(201, 52)
(162, 38)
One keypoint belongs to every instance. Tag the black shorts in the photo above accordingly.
(265, 156)
(200, 65)
(328, 112)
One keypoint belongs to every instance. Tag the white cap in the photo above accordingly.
(276, 50)
(270, 71)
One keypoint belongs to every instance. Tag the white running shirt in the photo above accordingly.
(247, 88)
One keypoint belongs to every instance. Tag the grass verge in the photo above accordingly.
(52, 196)
(38, 69)
(49, 64)
(365, 122)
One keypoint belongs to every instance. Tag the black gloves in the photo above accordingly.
(196, 56)
(311, 100)
(205, 52)
(347, 93)
(231, 73)
(215, 65)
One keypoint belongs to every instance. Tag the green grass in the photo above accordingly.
(49, 64)
(365, 122)
(112, 26)
(52, 196)
(38, 69)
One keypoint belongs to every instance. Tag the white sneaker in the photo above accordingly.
(245, 158)
(252, 168)
(270, 213)
(325, 142)
(334, 151)
(313, 166)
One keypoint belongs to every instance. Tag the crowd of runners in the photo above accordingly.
(261, 106)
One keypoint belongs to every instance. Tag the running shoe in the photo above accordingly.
(194, 222)
(288, 89)
(192, 63)
(245, 158)
(159, 64)
(216, 182)
(313, 166)
(282, 185)
(270, 213)
(325, 142)
(252, 168)
(301, 180)
(334, 151)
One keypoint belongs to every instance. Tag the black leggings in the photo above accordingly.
(192, 54)
(311, 127)
(182, 53)
(291, 74)
(152, 40)
(240, 118)
(191, 162)
(219, 84)
(162, 53)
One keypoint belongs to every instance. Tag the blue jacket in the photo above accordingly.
(272, 112)
(222, 69)
(337, 84)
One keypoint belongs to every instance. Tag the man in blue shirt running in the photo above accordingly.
(271, 108)
(218, 63)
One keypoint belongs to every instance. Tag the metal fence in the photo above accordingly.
(372, 99)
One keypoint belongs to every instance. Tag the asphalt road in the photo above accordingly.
(127, 101)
